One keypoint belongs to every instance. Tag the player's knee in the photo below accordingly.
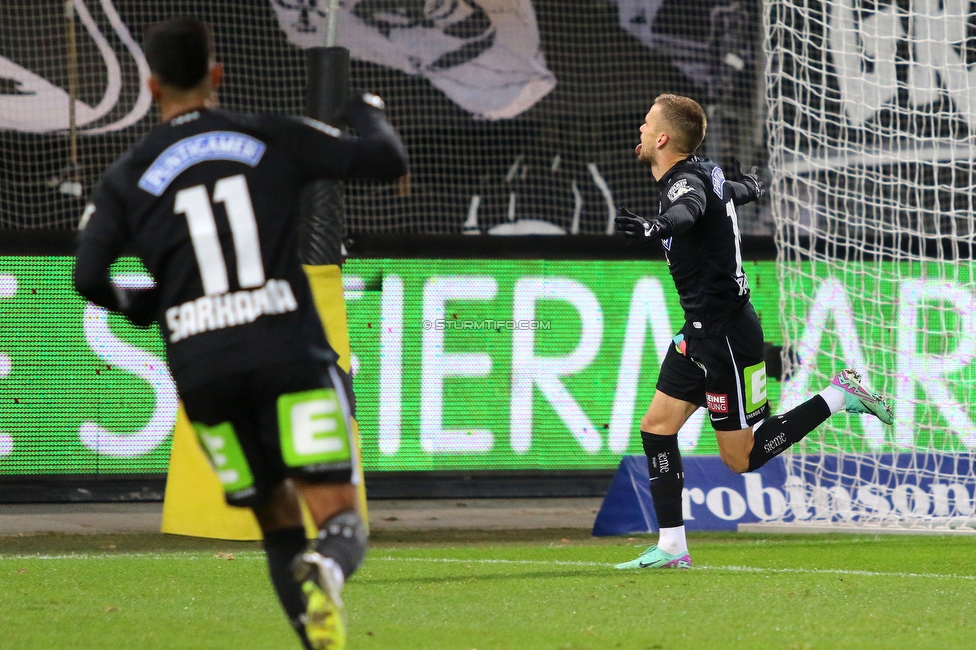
(280, 510)
(662, 421)
(343, 538)
(647, 424)
(656, 424)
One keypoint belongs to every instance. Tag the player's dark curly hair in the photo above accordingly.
(179, 51)
(687, 119)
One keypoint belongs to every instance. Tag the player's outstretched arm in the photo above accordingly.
(380, 153)
(745, 187)
(323, 151)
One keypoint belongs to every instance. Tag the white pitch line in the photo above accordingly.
(453, 560)
(733, 569)
(843, 572)
(238, 555)
(259, 555)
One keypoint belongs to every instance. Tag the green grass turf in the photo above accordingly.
(535, 589)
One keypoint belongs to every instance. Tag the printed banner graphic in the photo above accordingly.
(39, 105)
(848, 489)
(714, 498)
(483, 54)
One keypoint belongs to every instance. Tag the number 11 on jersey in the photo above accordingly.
(195, 204)
(740, 275)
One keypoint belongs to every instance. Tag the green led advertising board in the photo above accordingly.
(486, 364)
(492, 364)
(550, 364)
(81, 391)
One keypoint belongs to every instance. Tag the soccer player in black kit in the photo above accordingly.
(209, 201)
(716, 360)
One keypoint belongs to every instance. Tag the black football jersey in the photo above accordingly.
(209, 201)
(704, 254)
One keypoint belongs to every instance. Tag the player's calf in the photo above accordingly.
(282, 547)
(846, 392)
(775, 435)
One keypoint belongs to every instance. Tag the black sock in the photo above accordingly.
(781, 431)
(281, 547)
(343, 538)
(667, 477)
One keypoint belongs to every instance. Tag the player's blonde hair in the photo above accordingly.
(687, 121)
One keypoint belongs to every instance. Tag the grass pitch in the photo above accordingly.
(464, 590)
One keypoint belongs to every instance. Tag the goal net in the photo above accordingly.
(872, 134)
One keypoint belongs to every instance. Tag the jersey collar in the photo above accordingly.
(677, 167)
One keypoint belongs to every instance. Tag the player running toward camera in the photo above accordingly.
(209, 201)
(716, 360)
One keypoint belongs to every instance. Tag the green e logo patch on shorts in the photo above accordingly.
(226, 456)
(313, 428)
(755, 388)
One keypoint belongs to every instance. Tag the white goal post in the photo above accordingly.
(872, 135)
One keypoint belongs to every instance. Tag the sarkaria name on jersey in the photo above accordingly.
(229, 309)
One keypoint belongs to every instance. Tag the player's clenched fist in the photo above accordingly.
(750, 179)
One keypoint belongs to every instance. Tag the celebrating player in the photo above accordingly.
(716, 360)
(209, 201)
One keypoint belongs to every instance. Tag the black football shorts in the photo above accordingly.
(725, 374)
(278, 421)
